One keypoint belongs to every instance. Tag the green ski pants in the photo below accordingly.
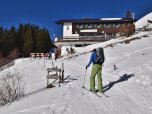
(96, 69)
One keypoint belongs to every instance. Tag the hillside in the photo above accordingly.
(143, 21)
(129, 87)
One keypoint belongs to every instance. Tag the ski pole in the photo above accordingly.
(84, 78)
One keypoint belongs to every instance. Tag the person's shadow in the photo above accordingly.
(125, 77)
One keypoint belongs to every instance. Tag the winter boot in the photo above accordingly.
(100, 90)
(92, 89)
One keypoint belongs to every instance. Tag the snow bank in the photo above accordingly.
(143, 21)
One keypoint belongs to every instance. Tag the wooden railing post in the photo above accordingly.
(48, 80)
(52, 64)
(62, 72)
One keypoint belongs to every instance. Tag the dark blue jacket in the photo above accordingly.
(92, 58)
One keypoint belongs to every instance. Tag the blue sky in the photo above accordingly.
(45, 12)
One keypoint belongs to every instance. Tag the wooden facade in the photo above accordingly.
(110, 30)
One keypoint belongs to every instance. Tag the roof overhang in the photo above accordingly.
(101, 20)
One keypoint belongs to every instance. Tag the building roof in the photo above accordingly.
(95, 20)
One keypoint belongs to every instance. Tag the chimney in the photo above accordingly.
(133, 15)
(87, 18)
(128, 14)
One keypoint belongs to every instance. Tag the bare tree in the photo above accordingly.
(11, 87)
(14, 53)
(1, 57)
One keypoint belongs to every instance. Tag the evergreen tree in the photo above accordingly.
(48, 41)
(12, 38)
(35, 32)
(4, 43)
(40, 41)
(29, 38)
(28, 43)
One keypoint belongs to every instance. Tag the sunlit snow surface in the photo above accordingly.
(129, 87)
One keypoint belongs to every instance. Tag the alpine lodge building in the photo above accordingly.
(80, 32)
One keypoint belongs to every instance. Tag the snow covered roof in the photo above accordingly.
(110, 18)
(95, 20)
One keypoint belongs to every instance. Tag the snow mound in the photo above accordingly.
(143, 21)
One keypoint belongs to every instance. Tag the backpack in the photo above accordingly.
(99, 56)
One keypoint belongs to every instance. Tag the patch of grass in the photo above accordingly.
(144, 36)
(125, 41)
(50, 86)
(84, 53)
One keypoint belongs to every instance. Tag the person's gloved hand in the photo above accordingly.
(87, 66)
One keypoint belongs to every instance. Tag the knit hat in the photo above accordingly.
(94, 49)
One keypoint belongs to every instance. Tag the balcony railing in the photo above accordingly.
(83, 38)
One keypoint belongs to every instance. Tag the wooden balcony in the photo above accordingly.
(83, 38)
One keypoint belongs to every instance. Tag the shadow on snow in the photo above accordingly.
(125, 77)
(68, 79)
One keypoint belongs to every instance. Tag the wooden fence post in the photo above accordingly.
(56, 68)
(52, 64)
(62, 72)
(114, 67)
(48, 80)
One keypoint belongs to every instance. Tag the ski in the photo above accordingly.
(103, 94)
(91, 91)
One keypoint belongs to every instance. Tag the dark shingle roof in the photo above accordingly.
(94, 20)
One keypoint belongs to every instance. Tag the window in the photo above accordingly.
(95, 25)
(81, 34)
(91, 34)
(79, 26)
(119, 24)
(123, 24)
(128, 24)
(78, 45)
(109, 25)
(86, 25)
(67, 49)
(89, 25)
(100, 25)
(114, 25)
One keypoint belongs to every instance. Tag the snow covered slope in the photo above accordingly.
(129, 87)
(143, 21)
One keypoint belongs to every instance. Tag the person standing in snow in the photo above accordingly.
(46, 55)
(35, 54)
(50, 55)
(96, 69)
(55, 56)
